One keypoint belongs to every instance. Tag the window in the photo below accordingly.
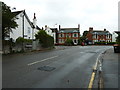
(59, 40)
(67, 35)
(75, 35)
(75, 41)
(109, 36)
(29, 30)
(62, 40)
(61, 35)
(96, 36)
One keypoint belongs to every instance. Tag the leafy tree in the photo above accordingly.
(8, 21)
(118, 39)
(81, 39)
(85, 33)
(45, 39)
(69, 42)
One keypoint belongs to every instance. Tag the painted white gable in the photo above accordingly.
(24, 22)
(48, 31)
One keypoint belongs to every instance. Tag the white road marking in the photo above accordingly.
(41, 60)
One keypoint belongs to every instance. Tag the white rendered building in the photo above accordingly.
(26, 28)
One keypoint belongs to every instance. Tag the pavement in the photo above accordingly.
(109, 71)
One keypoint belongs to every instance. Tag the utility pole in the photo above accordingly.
(23, 29)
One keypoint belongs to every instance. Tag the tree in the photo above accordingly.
(8, 21)
(81, 39)
(69, 42)
(85, 33)
(118, 38)
(45, 39)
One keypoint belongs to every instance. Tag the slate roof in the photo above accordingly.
(99, 32)
(68, 30)
(18, 12)
(54, 29)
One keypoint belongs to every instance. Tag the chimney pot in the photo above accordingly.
(59, 27)
(90, 28)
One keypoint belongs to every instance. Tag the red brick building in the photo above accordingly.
(72, 33)
(98, 35)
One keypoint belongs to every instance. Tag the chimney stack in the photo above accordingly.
(90, 28)
(59, 27)
(104, 29)
(79, 26)
(45, 27)
(34, 20)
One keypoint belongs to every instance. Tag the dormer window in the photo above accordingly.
(61, 31)
(75, 31)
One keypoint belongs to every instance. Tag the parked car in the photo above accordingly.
(116, 48)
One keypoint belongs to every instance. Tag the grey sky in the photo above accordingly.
(98, 14)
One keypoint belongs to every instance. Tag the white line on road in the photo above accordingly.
(42, 60)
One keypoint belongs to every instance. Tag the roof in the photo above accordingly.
(99, 32)
(23, 11)
(38, 28)
(17, 12)
(54, 29)
(118, 32)
(68, 30)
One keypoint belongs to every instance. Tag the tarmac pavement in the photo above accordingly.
(107, 76)
(110, 69)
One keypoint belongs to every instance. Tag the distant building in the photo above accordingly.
(48, 30)
(98, 35)
(55, 34)
(52, 32)
(72, 33)
(114, 35)
(26, 28)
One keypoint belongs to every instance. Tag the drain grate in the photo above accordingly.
(46, 68)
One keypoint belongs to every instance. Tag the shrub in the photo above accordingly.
(44, 39)
(21, 40)
(118, 39)
(69, 42)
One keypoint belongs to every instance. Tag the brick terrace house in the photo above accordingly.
(72, 33)
(98, 35)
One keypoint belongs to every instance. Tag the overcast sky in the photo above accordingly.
(98, 14)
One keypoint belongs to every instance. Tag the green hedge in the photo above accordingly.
(20, 40)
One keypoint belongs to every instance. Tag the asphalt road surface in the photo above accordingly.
(64, 67)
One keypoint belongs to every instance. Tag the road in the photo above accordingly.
(64, 67)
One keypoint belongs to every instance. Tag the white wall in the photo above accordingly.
(18, 32)
(54, 36)
(49, 32)
(114, 35)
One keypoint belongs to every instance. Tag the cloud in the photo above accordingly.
(97, 13)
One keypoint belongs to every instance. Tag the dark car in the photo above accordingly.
(117, 48)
